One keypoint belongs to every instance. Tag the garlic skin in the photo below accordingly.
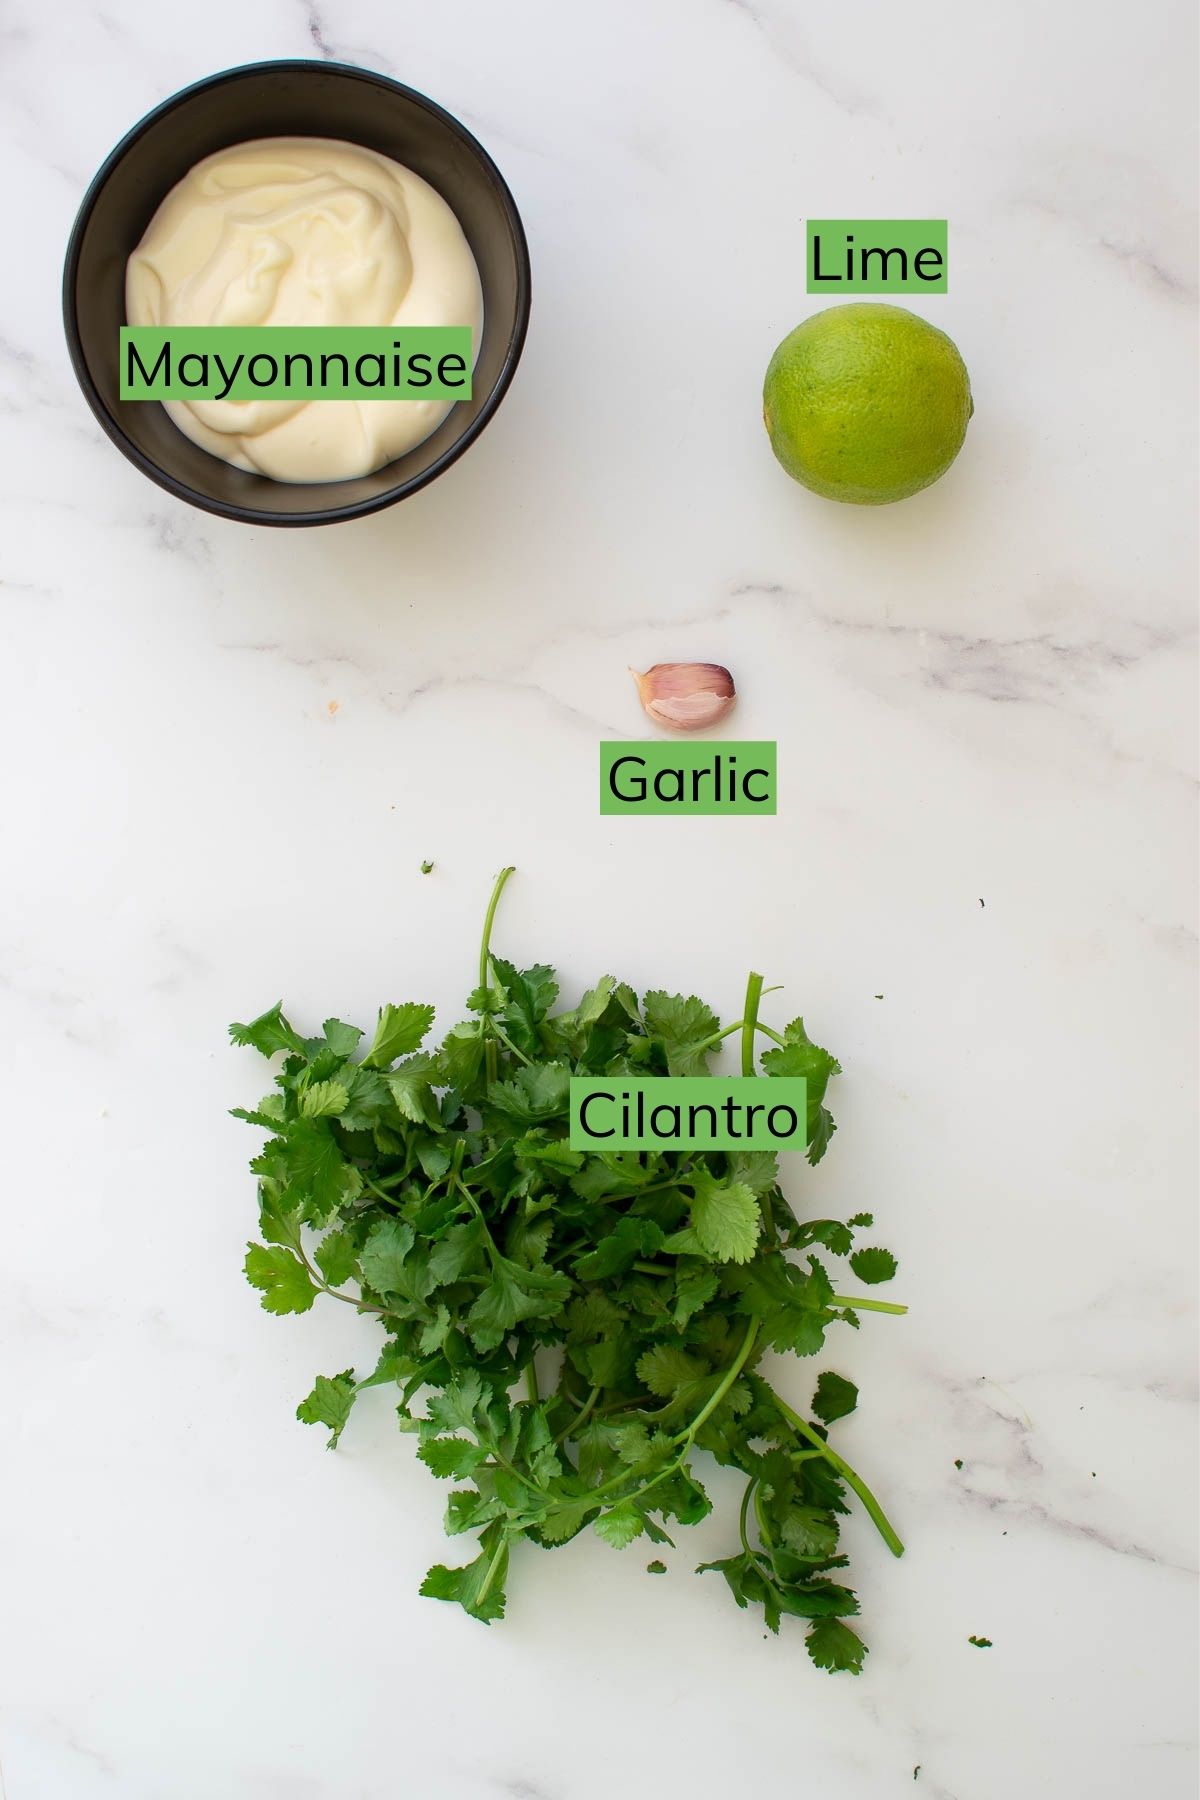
(686, 696)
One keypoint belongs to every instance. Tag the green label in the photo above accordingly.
(295, 362)
(689, 1112)
(663, 778)
(877, 256)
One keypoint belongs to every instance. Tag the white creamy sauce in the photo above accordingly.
(304, 231)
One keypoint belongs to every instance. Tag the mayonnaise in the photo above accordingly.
(304, 231)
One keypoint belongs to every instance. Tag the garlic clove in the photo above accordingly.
(686, 696)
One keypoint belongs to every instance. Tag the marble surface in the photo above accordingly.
(227, 752)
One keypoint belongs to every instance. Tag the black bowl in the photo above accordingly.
(287, 99)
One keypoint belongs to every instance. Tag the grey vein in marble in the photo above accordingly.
(792, 50)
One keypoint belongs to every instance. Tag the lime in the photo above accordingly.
(866, 403)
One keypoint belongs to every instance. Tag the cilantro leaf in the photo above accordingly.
(606, 1364)
(873, 1265)
(458, 1406)
(613, 1172)
(394, 1365)
(641, 1449)
(629, 1239)
(513, 1294)
(324, 1099)
(550, 1156)
(800, 1056)
(460, 1250)
(725, 1216)
(795, 1307)
(756, 1169)
(593, 1315)
(529, 995)
(383, 1256)
(695, 1286)
(575, 1025)
(835, 1236)
(367, 1097)
(285, 1283)
(478, 1586)
(566, 1521)
(268, 1033)
(315, 1175)
(815, 1599)
(682, 1027)
(337, 1258)
(399, 1030)
(821, 1128)
(269, 1113)
(810, 1532)
(451, 1457)
(329, 1404)
(534, 1093)
(669, 1369)
(619, 1525)
(490, 1000)
(833, 1645)
(342, 1039)
(835, 1397)
(749, 1584)
(461, 1056)
(469, 1510)
(411, 1087)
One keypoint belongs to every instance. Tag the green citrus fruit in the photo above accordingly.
(866, 403)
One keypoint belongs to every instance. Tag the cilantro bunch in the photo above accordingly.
(579, 1325)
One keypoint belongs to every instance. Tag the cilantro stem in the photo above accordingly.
(616, 1406)
(376, 1189)
(763, 1561)
(489, 1243)
(652, 1187)
(497, 1461)
(363, 1306)
(492, 1566)
(491, 1024)
(751, 1485)
(718, 1037)
(754, 989)
(875, 1512)
(863, 1305)
(323, 1286)
(531, 1382)
(731, 1374)
(485, 948)
(760, 1519)
(485, 973)
(685, 1438)
(582, 1413)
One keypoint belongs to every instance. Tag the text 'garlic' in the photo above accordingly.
(686, 696)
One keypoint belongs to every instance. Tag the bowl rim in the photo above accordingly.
(351, 509)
